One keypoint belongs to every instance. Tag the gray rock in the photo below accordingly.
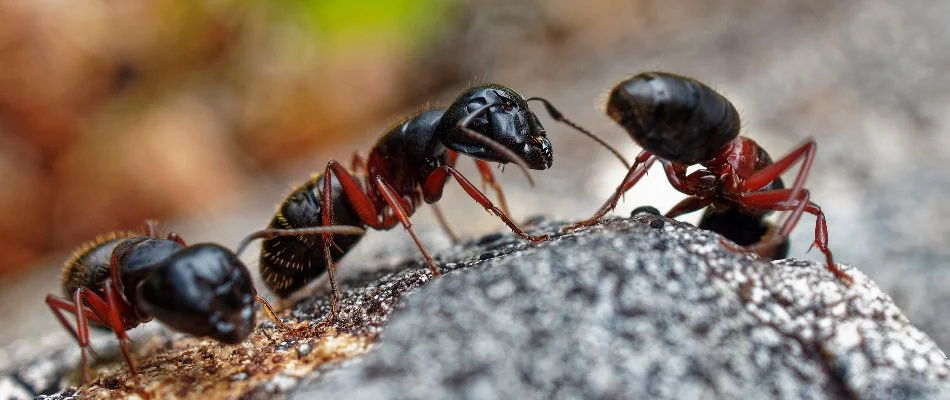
(645, 307)
(628, 310)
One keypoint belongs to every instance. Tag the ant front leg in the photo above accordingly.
(450, 158)
(641, 164)
(488, 179)
(778, 200)
(435, 182)
(805, 151)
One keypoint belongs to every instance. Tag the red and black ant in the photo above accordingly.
(682, 122)
(124, 279)
(409, 164)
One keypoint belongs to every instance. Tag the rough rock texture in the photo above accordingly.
(644, 308)
(628, 308)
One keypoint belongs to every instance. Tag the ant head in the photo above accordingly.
(675, 118)
(202, 290)
(500, 115)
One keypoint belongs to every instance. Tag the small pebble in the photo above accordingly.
(304, 349)
(644, 209)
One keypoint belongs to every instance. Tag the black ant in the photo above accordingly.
(682, 122)
(124, 279)
(410, 163)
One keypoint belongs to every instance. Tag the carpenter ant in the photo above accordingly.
(682, 122)
(124, 279)
(410, 163)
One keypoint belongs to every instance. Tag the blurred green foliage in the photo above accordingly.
(341, 23)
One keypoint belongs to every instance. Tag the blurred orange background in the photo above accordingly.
(116, 111)
(202, 113)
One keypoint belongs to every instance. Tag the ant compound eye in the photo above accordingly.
(508, 105)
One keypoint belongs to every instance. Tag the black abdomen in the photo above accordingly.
(674, 117)
(290, 262)
(89, 265)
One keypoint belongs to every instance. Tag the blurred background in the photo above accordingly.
(203, 114)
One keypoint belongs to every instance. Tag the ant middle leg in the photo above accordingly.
(688, 205)
(443, 222)
(367, 213)
(362, 205)
(435, 182)
(115, 321)
(395, 204)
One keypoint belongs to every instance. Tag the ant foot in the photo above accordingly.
(764, 249)
(576, 226)
(843, 277)
(536, 239)
(736, 248)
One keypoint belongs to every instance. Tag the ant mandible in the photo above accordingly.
(681, 122)
(124, 279)
(410, 163)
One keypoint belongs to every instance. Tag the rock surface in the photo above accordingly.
(644, 306)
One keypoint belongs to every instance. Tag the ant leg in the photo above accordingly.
(805, 151)
(436, 180)
(275, 232)
(58, 306)
(82, 329)
(270, 313)
(641, 164)
(362, 205)
(463, 125)
(358, 164)
(688, 205)
(489, 179)
(177, 238)
(117, 326)
(778, 200)
(444, 223)
(432, 198)
(559, 117)
(771, 172)
(395, 204)
(151, 228)
(82, 326)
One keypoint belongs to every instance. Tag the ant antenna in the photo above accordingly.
(266, 233)
(558, 116)
(512, 156)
